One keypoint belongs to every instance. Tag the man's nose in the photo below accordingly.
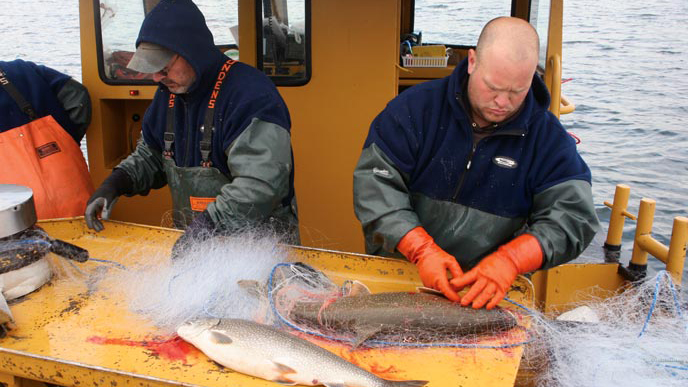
(502, 99)
(157, 77)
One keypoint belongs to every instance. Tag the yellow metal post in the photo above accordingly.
(612, 246)
(554, 55)
(555, 91)
(646, 214)
(677, 248)
(619, 213)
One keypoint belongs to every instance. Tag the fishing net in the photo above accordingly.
(638, 338)
(203, 281)
(306, 300)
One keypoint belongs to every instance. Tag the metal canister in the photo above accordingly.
(17, 209)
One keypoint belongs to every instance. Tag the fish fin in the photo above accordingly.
(283, 370)
(364, 333)
(358, 289)
(284, 382)
(254, 288)
(220, 338)
(423, 289)
(406, 383)
(334, 384)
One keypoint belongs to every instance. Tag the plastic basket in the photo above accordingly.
(419, 61)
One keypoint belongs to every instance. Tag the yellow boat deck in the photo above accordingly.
(75, 334)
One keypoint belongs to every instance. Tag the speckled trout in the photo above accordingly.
(266, 352)
(408, 316)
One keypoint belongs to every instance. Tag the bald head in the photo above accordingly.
(509, 38)
(501, 69)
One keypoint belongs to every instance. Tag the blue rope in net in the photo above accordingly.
(664, 275)
(655, 296)
(109, 262)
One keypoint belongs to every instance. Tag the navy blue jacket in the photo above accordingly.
(40, 86)
(419, 168)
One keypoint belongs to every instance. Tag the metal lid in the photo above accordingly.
(17, 210)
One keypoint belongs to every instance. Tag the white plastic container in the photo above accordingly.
(417, 61)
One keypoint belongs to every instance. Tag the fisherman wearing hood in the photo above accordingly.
(472, 174)
(217, 132)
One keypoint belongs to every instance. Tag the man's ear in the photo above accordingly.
(472, 60)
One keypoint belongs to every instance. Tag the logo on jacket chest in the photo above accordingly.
(505, 162)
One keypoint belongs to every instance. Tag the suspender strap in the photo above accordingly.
(17, 96)
(208, 128)
(168, 137)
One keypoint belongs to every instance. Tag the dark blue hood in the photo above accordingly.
(180, 26)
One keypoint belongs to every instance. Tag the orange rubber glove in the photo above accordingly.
(492, 277)
(432, 262)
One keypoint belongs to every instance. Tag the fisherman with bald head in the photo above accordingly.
(471, 178)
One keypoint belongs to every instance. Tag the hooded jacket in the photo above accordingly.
(49, 92)
(250, 141)
(420, 167)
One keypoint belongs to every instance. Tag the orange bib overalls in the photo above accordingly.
(44, 157)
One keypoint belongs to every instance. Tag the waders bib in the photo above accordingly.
(44, 157)
(193, 188)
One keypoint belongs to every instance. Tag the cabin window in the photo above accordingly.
(284, 41)
(118, 23)
(455, 23)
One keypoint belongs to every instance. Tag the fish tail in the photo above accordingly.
(405, 383)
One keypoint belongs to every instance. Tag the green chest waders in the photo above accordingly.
(193, 188)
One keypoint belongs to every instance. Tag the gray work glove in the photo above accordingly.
(105, 197)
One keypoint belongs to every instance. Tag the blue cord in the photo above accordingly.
(379, 342)
(673, 367)
(113, 263)
(677, 305)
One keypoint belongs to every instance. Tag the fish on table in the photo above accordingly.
(355, 314)
(266, 352)
(409, 316)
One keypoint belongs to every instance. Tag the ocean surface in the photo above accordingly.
(626, 62)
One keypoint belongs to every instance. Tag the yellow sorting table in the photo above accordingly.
(73, 333)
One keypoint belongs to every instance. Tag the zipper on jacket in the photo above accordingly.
(465, 171)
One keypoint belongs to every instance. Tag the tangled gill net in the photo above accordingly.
(640, 339)
(203, 282)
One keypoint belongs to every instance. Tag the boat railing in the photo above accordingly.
(673, 256)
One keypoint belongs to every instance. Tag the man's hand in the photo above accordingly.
(494, 274)
(432, 262)
(105, 197)
(201, 228)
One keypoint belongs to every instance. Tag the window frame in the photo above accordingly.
(101, 58)
(282, 80)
